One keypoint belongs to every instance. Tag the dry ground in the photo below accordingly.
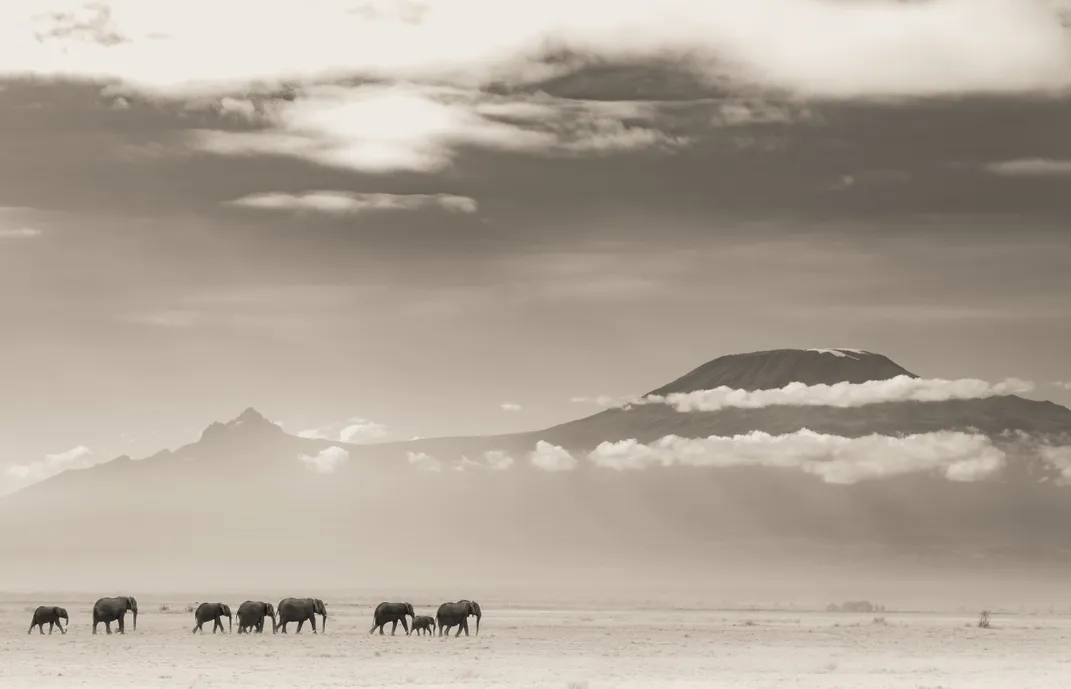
(565, 648)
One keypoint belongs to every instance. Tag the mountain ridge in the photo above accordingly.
(244, 482)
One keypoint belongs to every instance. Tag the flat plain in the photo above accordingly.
(565, 647)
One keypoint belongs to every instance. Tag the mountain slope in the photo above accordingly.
(241, 495)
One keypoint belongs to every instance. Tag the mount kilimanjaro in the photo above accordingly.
(272, 505)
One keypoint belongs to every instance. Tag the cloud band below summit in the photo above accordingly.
(842, 395)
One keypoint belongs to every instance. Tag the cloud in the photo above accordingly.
(424, 461)
(1059, 457)
(550, 457)
(835, 459)
(326, 461)
(1030, 167)
(351, 203)
(842, 395)
(79, 457)
(865, 49)
(1062, 384)
(354, 430)
(383, 128)
(498, 460)
(511, 407)
(19, 233)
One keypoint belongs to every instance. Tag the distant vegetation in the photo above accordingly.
(855, 606)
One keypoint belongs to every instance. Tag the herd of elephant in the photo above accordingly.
(251, 616)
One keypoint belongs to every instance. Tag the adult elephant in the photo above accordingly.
(50, 614)
(478, 613)
(212, 611)
(455, 615)
(301, 610)
(391, 612)
(251, 616)
(108, 610)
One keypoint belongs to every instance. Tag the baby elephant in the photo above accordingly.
(425, 623)
(50, 614)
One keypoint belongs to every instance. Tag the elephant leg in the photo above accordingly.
(95, 623)
(300, 623)
(405, 626)
(282, 626)
(312, 621)
(216, 624)
(122, 624)
(50, 625)
(30, 630)
(393, 627)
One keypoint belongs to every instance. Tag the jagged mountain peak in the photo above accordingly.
(776, 368)
(249, 421)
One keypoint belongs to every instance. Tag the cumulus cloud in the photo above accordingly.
(424, 461)
(866, 49)
(835, 459)
(79, 457)
(897, 389)
(1059, 457)
(354, 430)
(498, 459)
(326, 461)
(549, 457)
(510, 406)
(351, 203)
(1030, 167)
(19, 233)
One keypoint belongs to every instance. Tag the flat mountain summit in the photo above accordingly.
(776, 368)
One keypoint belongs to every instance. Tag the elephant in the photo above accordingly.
(212, 611)
(424, 623)
(391, 612)
(251, 615)
(455, 614)
(301, 610)
(478, 613)
(50, 614)
(108, 610)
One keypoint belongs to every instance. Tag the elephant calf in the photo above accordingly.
(50, 614)
(424, 623)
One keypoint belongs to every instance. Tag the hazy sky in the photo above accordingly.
(416, 213)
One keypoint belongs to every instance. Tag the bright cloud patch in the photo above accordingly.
(866, 49)
(498, 460)
(78, 457)
(355, 430)
(842, 395)
(424, 461)
(326, 461)
(511, 407)
(19, 233)
(350, 203)
(406, 127)
(550, 457)
(835, 459)
(1031, 167)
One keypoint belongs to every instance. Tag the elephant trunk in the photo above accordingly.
(135, 620)
(323, 625)
(230, 624)
(477, 624)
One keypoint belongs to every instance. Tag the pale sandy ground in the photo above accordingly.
(563, 649)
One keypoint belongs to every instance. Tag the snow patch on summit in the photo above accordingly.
(842, 352)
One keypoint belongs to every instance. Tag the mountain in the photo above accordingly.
(250, 502)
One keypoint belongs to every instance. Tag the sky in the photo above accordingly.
(415, 219)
